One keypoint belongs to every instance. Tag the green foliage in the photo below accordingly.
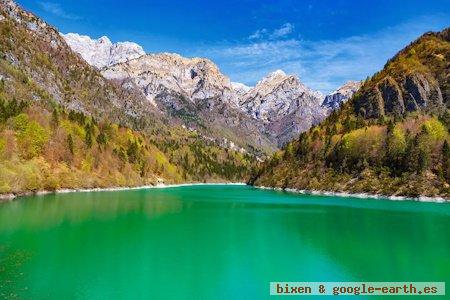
(10, 109)
(303, 146)
(89, 132)
(434, 129)
(289, 151)
(133, 151)
(31, 136)
(395, 149)
(408, 156)
(2, 145)
(359, 147)
(77, 117)
(102, 139)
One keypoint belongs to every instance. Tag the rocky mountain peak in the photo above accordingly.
(101, 52)
(273, 79)
(280, 102)
(284, 104)
(413, 80)
(159, 75)
(240, 89)
(341, 95)
(275, 75)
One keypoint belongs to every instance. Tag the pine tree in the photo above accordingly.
(70, 143)
(446, 160)
(133, 151)
(88, 138)
(55, 118)
(102, 139)
(424, 161)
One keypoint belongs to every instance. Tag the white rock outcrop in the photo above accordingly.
(160, 76)
(102, 52)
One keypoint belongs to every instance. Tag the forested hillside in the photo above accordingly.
(390, 138)
(45, 147)
(63, 125)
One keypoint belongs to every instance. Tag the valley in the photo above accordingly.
(78, 112)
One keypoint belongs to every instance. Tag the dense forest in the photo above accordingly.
(391, 138)
(48, 150)
(45, 145)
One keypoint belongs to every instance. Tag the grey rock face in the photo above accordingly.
(416, 92)
(341, 95)
(284, 105)
(421, 92)
(193, 91)
(195, 79)
(392, 96)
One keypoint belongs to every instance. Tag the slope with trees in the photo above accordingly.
(63, 125)
(391, 138)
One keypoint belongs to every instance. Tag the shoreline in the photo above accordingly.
(357, 195)
(12, 196)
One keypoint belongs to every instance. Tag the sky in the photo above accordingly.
(325, 43)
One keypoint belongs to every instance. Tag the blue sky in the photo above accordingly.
(325, 43)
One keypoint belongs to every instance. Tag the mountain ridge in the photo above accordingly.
(168, 78)
(373, 143)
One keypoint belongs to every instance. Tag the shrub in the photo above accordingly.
(31, 136)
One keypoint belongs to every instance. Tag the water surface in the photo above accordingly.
(212, 242)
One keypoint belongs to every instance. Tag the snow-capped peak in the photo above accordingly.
(102, 52)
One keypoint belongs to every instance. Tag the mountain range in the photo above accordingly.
(279, 107)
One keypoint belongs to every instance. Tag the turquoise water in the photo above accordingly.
(212, 242)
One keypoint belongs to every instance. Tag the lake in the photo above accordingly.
(212, 242)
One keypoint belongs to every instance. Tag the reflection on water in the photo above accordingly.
(212, 242)
(50, 210)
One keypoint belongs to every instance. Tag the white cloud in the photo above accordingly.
(322, 64)
(258, 34)
(57, 10)
(283, 31)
